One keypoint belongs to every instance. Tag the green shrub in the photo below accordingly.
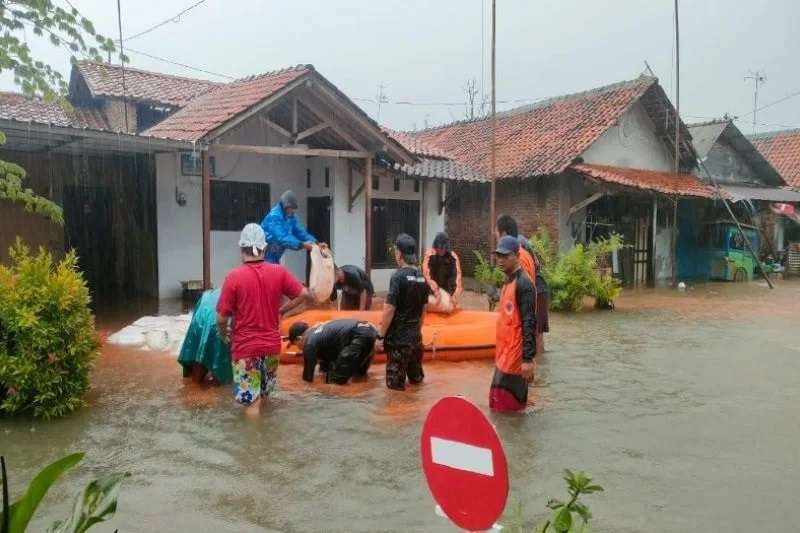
(487, 275)
(47, 337)
(572, 276)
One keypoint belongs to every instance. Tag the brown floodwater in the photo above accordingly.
(685, 406)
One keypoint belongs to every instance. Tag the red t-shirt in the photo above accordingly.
(252, 294)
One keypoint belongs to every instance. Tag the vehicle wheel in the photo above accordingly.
(740, 275)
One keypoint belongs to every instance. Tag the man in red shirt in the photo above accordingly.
(251, 299)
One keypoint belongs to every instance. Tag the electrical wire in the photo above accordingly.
(444, 104)
(171, 62)
(771, 104)
(175, 18)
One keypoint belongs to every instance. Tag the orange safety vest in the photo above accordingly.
(509, 346)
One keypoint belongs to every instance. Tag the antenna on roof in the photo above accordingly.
(648, 69)
(759, 79)
(380, 98)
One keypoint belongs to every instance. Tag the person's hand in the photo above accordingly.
(323, 245)
(308, 245)
(528, 369)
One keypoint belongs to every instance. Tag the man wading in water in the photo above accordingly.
(403, 314)
(251, 297)
(343, 348)
(516, 326)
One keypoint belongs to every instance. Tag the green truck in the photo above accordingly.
(727, 252)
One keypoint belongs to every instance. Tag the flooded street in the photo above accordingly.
(684, 406)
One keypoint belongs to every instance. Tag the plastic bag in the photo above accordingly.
(443, 305)
(322, 276)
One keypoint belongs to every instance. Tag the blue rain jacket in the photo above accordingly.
(283, 232)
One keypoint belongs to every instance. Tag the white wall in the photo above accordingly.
(180, 245)
(631, 143)
(180, 227)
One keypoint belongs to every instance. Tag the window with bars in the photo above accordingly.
(389, 219)
(236, 203)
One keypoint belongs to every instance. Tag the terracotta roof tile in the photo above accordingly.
(539, 139)
(429, 167)
(15, 106)
(209, 111)
(649, 180)
(782, 150)
(415, 145)
(104, 79)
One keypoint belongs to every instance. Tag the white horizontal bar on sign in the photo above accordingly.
(462, 456)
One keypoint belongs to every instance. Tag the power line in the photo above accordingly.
(175, 18)
(787, 97)
(440, 104)
(171, 62)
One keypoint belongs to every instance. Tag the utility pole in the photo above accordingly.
(674, 236)
(759, 79)
(122, 66)
(380, 98)
(493, 159)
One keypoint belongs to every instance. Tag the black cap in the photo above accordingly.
(507, 245)
(296, 331)
(441, 241)
(407, 246)
(289, 200)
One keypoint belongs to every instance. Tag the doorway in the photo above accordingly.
(318, 215)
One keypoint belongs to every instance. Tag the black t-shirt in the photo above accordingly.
(356, 280)
(324, 342)
(408, 293)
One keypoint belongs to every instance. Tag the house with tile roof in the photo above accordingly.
(180, 165)
(782, 150)
(578, 166)
(730, 161)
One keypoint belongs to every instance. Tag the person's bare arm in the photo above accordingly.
(386, 320)
(291, 305)
(362, 304)
(224, 328)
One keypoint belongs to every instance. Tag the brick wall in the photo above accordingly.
(114, 111)
(534, 203)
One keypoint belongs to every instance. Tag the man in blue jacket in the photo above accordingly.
(284, 230)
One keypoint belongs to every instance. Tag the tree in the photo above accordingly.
(67, 29)
(471, 90)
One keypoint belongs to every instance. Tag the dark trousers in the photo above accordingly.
(352, 302)
(355, 358)
(402, 362)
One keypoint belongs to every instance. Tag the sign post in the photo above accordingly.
(464, 464)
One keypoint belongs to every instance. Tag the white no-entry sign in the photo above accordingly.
(464, 464)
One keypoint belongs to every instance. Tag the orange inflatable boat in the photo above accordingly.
(460, 336)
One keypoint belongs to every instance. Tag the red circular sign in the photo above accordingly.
(464, 464)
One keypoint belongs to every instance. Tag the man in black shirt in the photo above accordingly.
(342, 347)
(403, 315)
(356, 287)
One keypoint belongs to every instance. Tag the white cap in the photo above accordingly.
(253, 235)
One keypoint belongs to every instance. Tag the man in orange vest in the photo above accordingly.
(516, 328)
(506, 225)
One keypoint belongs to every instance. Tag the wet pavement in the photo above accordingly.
(685, 406)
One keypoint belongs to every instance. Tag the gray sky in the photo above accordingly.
(424, 52)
